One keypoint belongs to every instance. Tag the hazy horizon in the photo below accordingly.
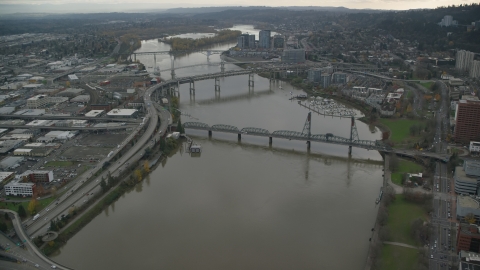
(89, 6)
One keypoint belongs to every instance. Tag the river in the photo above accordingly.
(240, 205)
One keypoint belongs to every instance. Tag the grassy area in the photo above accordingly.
(59, 164)
(409, 94)
(400, 128)
(398, 258)
(14, 206)
(405, 166)
(401, 214)
(427, 85)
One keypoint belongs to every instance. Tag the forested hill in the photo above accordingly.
(422, 26)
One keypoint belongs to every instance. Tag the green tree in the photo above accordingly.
(21, 212)
(103, 185)
(180, 127)
(3, 227)
(162, 144)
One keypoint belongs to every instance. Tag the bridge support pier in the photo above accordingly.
(209, 133)
(272, 76)
(173, 67)
(350, 150)
(308, 144)
(222, 66)
(217, 84)
(239, 137)
(250, 79)
(270, 140)
(192, 87)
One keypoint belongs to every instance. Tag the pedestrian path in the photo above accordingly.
(400, 245)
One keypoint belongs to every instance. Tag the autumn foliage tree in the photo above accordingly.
(470, 218)
(138, 174)
(32, 206)
(146, 167)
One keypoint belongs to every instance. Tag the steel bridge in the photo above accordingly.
(305, 135)
(221, 64)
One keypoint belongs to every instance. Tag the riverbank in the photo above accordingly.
(114, 188)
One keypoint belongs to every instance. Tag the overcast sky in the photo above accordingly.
(371, 4)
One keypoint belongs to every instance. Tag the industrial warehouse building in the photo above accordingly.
(123, 113)
(94, 113)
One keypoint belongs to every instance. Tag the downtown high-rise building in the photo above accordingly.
(475, 69)
(246, 41)
(264, 39)
(314, 75)
(467, 127)
(464, 60)
(278, 42)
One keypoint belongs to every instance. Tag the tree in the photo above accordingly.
(32, 206)
(180, 127)
(103, 185)
(3, 227)
(470, 218)
(146, 167)
(7, 217)
(385, 135)
(138, 174)
(393, 163)
(21, 212)
(162, 144)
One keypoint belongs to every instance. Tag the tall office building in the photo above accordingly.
(264, 39)
(447, 21)
(314, 75)
(467, 127)
(339, 77)
(325, 80)
(293, 56)
(241, 42)
(251, 41)
(464, 60)
(475, 69)
(278, 42)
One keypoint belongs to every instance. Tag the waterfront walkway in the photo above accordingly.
(400, 245)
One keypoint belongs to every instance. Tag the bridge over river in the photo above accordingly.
(305, 135)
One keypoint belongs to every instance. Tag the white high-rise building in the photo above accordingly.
(447, 21)
(464, 60)
(264, 39)
(475, 69)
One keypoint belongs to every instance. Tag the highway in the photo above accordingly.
(30, 256)
(78, 193)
